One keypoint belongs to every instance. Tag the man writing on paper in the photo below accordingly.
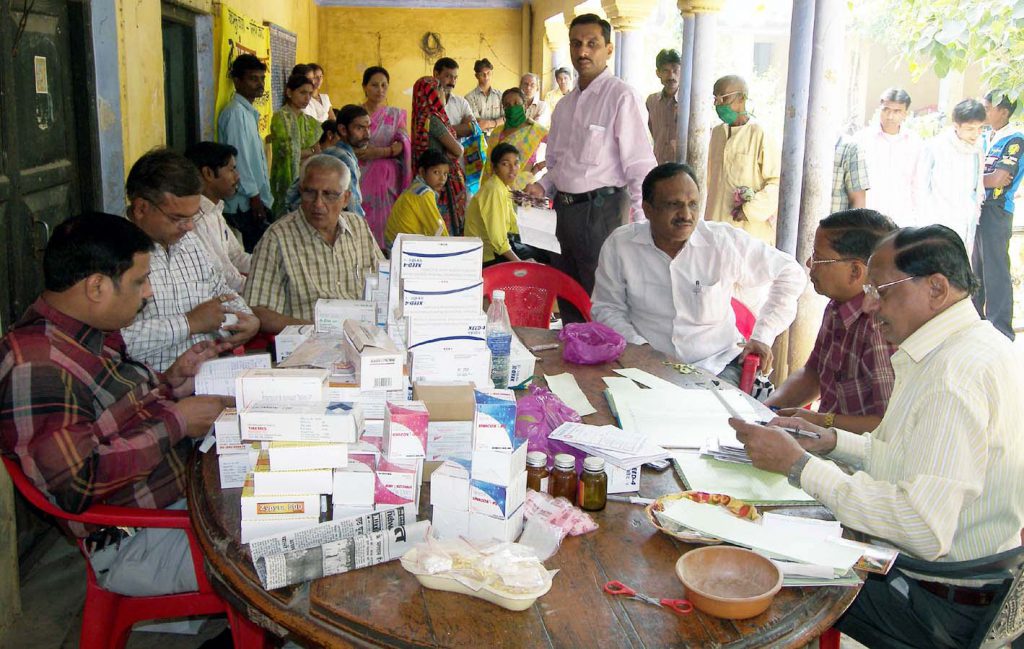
(317, 251)
(88, 423)
(939, 477)
(669, 282)
(849, 367)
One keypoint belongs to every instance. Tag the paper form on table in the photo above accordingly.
(714, 521)
(565, 388)
(620, 384)
(741, 481)
(647, 379)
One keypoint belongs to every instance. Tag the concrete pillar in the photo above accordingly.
(627, 18)
(794, 125)
(701, 84)
(685, 78)
(10, 595)
(823, 121)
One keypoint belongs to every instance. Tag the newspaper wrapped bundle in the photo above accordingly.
(335, 547)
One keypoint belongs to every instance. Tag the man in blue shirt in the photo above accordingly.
(353, 135)
(238, 125)
(992, 243)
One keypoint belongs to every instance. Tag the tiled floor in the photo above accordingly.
(52, 595)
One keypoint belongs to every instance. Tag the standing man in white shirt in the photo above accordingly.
(190, 299)
(460, 114)
(536, 108)
(216, 165)
(485, 99)
(893, 154)
(669, 282)
(597, 156)
(951, 170)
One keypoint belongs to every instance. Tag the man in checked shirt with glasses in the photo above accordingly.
(191, 299)
(318, 251)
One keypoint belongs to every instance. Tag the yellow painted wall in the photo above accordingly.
(354, 38)
(142, 77)
(141, 67)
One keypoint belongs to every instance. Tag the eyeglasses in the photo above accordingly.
(176, 219)
(312, 195)
(721, 99)
(814, 262)
(875, 292)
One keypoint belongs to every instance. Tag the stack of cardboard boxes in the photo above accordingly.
(483, 498)
(435, 295)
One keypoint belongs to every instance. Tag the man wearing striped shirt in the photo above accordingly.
(191, 299)
(317, 251)
(939, 477)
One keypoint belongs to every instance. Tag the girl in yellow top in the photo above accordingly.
(492, 214)
(415, 210)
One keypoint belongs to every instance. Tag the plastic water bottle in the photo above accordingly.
(499, 339)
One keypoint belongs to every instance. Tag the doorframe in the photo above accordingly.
(105, 138)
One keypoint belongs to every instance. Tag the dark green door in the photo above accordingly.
(39, 182)
(180, 103)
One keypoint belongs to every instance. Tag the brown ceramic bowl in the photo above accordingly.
(729, 582)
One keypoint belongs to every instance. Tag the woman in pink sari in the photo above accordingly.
(385, 162)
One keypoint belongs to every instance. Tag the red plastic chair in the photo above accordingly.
(745, 324)
(531, 290)
(108, 617)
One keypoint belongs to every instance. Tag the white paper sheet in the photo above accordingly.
(609, 438)
(217, 376)
(741, 481)
(537, 228)
(714, 521)
(568, 390)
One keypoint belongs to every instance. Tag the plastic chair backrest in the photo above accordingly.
(1003, 623)
(531, 290)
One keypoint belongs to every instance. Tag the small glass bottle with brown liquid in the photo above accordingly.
(593, 489)
(537, 471)
(563, 479)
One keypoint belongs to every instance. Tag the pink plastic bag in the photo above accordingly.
(591, 343)
(537, 414)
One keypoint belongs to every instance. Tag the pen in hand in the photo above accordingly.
(793, 431)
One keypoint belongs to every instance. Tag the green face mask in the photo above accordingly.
(726, 113)
(515, 115)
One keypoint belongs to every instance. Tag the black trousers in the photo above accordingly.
(581, 229)
(894, 611)
(991, 261)
(249, 226)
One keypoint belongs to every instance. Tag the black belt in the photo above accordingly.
(563, 198)
(959, 594)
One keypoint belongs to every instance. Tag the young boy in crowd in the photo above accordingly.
(415, 211)
(492, 214)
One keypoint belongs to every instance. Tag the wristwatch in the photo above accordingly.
(830, 419)
(798, 467)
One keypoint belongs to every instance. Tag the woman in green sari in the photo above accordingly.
(521, 132)
(293, 138)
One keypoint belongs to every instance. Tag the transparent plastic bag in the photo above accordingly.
(591, 343)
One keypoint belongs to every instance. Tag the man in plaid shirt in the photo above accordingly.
(191, 299)
(849, 367)
(88, 423)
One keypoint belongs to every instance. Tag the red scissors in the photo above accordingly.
(680, 606)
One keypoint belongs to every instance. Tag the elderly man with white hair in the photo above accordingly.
(536, 108)
(317, 251)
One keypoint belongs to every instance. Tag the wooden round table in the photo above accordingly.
(385, 606)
